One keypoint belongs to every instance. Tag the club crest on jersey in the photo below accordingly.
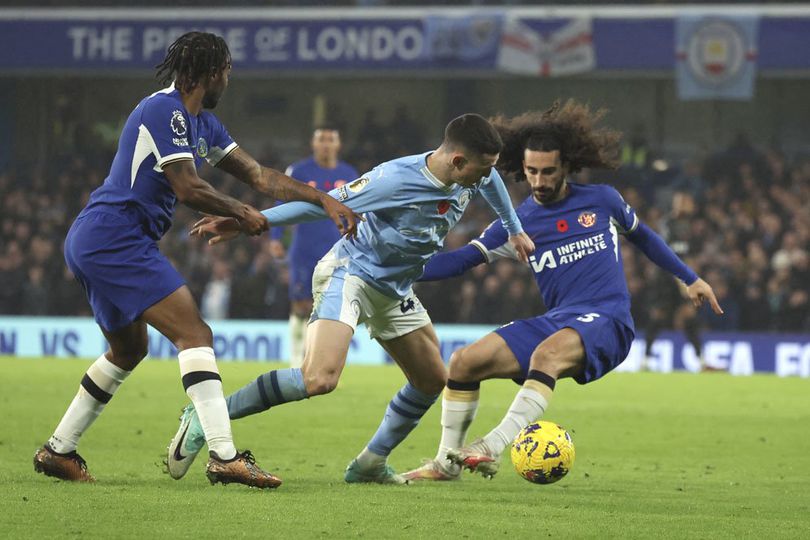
(464, 198)
(443, 207)
(202, 147)
(587, 219)
(178, 123)
(358, 184)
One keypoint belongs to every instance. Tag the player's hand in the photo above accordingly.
(344, 217)
(699, 292)
(253, 222)
(523, 246)
(277, 249)
(220, 229)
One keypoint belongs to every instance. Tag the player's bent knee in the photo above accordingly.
(197, 335)
(320, 384)
(465, 366)
(459, 365)
(548, 359)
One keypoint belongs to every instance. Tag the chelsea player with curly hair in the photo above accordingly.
(411, 203)
(112, 249)
(577, 264)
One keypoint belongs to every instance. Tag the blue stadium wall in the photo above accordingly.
(240, 340)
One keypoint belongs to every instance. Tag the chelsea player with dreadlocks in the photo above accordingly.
(577, 264)
(112, 250)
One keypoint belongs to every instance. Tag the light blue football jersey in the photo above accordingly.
(310, 241)
(408, 213)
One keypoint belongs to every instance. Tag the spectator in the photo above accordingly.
(742, 213)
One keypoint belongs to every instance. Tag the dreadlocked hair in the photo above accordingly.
(570, 128)
(193, 57)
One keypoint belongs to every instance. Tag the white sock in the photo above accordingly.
(368, 459)
(96, 389)
(457, 415)
(528, 406)
(202, 382)
(298, 328)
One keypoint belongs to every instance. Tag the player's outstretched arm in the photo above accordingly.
(221, 229)
(494, 191)
(366, 198)
(452, 263)
(198, 194)
(281, 187)
(654, 247)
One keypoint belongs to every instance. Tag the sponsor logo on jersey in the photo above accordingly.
(562, 225)
(180, 141)
(342, 194)
(443, 207)
(202, 147)
(358, 185)
(178, 123)
(568, 253)
(587, 219)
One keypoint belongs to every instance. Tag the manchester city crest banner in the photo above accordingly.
(716, 57)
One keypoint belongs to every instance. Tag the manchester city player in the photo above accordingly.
(410, 203)
(311, 241)
(112, 250)
(577, 264)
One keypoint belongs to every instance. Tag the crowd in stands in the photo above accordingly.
(740, 217)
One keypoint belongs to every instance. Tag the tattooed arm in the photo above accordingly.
(281, 187)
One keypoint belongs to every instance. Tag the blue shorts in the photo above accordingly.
(606, 340)
(301, 278)
(121, 269)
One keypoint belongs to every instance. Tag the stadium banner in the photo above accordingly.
(471, 37)
(567, 50)
(717, 57)
(236, 340)
(268, 42)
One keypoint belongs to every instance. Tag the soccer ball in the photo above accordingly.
(543, 452)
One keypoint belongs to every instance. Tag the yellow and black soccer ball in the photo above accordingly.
(543, 452)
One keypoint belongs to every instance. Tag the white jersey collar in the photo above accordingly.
(432, 178)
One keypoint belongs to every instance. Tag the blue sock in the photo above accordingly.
(401, 416)
(268, 390)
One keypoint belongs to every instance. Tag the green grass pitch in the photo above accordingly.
(658, 456)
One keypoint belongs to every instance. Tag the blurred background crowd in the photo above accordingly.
(725, 181)
(738, 214)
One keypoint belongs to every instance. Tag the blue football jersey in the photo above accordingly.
(158, 132)
(408, 214)
(312, 240)
(577, 260)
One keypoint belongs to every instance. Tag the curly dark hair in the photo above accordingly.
(570, 128)
(191, 58)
